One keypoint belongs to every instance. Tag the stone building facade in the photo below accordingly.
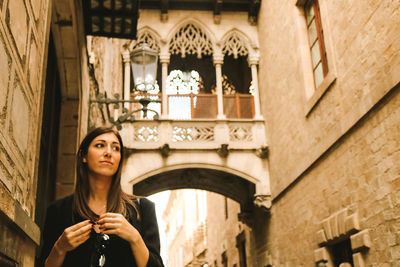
(24, 32)
(333, 149)
(328, 153)
(203, 230)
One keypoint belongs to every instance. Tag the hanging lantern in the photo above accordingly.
(144, 67)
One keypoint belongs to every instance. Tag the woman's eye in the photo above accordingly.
(99, 145)
(117, 148)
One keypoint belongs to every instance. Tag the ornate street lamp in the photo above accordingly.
(144, 69)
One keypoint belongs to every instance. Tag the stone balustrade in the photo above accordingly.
(195, 134)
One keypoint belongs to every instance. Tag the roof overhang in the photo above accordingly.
(118, 18)
(111, 18)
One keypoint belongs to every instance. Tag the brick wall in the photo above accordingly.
(365, 41)
(342, 154)
(359, 173)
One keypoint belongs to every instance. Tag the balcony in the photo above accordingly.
(192, 124)
(199, 106)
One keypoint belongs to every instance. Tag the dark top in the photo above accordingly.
(118, 251)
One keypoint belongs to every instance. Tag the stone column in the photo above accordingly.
(253, 62)
(164, 60)
(218, 61)
(127, 76)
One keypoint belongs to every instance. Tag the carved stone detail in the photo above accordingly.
(148, 38)
(361, 241)
(146, 134)
(240, 133)
(190, 40)
(235, 45)
(193, 133)
(263, 201)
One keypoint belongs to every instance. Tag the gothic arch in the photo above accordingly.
(249, 43)
(233, 43)
(216, 179)
(152, 38)
(195, 165)
(206, 45)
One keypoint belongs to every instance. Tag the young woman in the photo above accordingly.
(100, 225)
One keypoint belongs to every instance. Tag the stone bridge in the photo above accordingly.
(228, 157)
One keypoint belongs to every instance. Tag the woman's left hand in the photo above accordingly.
(116, 224)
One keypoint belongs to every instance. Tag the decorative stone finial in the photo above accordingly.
(165, 150)
(262, 152)
(223, 151)
(263, 201)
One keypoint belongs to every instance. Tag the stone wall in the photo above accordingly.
(203, 225)
(222, 231)
(72, 61)
(339, 152)
(24, 31)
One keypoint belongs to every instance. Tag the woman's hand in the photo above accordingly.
(73, 236)
(116, 224)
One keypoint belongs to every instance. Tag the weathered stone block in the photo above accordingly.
(334, 226)
(321, 237)
(327, 228)
(360, 241)
(358, 260)
(321, 254)
(352, 223)
(341, 220)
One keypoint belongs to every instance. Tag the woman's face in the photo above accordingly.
(104, 155)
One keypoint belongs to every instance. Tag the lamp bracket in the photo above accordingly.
(126, 115)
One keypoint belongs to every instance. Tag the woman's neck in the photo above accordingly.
(99, 187)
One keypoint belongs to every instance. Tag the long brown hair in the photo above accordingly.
(117, 200)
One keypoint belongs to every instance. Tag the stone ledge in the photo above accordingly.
(20, 220)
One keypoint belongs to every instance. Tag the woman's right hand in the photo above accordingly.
(73, 236)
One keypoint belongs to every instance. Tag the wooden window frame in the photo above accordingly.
(312, 93)
(320, 34)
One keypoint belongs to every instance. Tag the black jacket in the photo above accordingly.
(59, 216)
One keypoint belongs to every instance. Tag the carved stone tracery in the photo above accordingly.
(148, 38)
(240, 133)
(146, 134)
(190, 40)
(235, 45)
(181, 134)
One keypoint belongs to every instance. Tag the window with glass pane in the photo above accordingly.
(316, 39)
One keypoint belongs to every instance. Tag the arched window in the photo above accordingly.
(182, 88)
(190, 40)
